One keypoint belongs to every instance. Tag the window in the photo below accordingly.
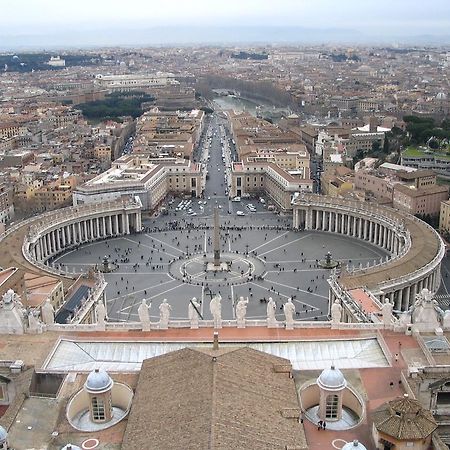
(98, 409)
(331, 407)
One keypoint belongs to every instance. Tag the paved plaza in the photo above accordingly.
(284, 265)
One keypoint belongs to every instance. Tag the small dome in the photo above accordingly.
(355, 445)
(71, 447)
(441, 96)
(98, 381)
(3, 435)
(331, 379)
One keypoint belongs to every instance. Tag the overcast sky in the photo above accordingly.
(393, 17)
(423, 14)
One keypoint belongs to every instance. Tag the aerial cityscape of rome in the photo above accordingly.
(225, 225)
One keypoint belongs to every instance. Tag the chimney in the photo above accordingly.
(216, 341)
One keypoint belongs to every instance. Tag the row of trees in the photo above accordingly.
(115, 105)
(421, 129)
(257, 90)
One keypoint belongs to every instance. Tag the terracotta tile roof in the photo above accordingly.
(235, 399)
(404, 419)
(412, 192)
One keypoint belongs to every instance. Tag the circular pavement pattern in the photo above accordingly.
(233, 269)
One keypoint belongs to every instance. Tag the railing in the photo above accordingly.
(419, 273)
(249, 323)
(106, 187)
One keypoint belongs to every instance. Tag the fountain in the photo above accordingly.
(328, 262)
(106, 266)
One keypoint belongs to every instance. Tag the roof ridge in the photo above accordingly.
(212, 435)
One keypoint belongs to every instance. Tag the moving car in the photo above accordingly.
(240, 213)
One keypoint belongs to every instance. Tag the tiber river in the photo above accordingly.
(237, 104)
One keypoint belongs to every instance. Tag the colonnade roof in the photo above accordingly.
(425, 245)
(11, 256)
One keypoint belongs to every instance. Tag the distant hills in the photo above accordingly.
(58, 38)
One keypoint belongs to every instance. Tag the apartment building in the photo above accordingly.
(173, 134)
(422, 201)
(6, 203)
(253, 179)
(150, 179)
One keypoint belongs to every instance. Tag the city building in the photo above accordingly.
(422, 201)
(425, 158)
(6, 204)
(444, 217)
(254, 179)
(168, 134)
(150, 179)
(129, 82)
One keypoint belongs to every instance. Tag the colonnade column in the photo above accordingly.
(64, 236)
(85, 236)
(406, 299)
(139, 221)
(398, 303)
(110, 231)
(44, 245)
(53, 238)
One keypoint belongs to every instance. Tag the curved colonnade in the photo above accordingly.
(416, 249)
(70, 227)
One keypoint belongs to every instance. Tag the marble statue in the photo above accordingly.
(193, 312)
(446, 320)
(404, 318)
(164, 314)
(271, 308)
(241, 311)
(48, 313)
(215, 308)
(336, 312)
(143, 313)
(289, 312)
(12, 314)
(426, 313)
(100, 313)
(386, 312)
(34, 325)
(9, 297)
